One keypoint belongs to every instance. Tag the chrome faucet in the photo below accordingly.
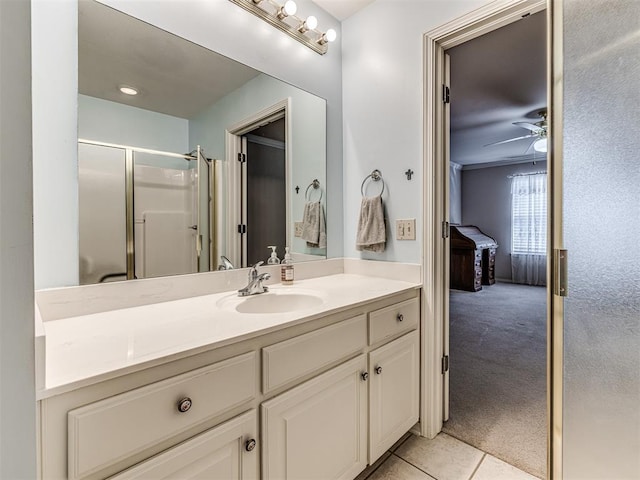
(225, 263)
(255, 286)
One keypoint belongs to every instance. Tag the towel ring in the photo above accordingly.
(375, 176)
(316, 185)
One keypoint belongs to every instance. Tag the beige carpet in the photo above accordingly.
(498, 373)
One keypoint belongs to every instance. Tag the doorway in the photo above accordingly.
(497, 244)
(265, 192)
(259, 182)
(437, 212)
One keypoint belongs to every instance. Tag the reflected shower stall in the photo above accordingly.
(144, 213)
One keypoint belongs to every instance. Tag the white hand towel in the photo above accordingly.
(371, 235)
(314, 229)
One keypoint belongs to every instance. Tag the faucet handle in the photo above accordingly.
(255, 267)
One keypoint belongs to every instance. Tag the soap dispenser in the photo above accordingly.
(273, 259)
(286, 269)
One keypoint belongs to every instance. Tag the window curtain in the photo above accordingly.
(529, 229)
(455, 194)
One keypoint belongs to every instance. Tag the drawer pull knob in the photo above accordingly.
(378, 369)
(365, 376)
(400, 317)
(184, 405)
(250, 445)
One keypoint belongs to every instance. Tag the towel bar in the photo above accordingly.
(375, 176)
(316, 185)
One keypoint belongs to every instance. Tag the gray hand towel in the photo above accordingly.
(371, 235)
(314, 229)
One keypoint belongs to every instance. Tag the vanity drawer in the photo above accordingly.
(393, 320)
(108, 431)
(292, 359)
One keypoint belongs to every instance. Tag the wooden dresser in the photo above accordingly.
(473, 258)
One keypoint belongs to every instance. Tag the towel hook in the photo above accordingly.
(316, 185)
(375, 176)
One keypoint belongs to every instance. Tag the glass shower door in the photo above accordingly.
(102, 204)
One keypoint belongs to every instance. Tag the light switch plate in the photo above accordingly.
(410, 229)
(297, 229)
(399, 229)
(406, 229)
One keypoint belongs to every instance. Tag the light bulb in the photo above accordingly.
(311, 22)
(290, 7)
(540, 145)
(329, 36)
(127, 90)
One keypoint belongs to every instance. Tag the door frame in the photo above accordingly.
(435, 174)
(236, 179)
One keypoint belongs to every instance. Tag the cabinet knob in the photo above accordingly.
(184, 405)
(400, 317)
(365, 376)
(378, 369)
(250, 444)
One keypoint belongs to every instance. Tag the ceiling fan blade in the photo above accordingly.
(530, 126)
(511, 140)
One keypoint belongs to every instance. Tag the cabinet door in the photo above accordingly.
(394, 395)
(318, 430)
(226, 452)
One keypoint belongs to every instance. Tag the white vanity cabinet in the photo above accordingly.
(393, 392)
(227, 452)
(319, 399)
(319, 429)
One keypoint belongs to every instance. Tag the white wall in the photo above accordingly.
(308, 141)
(216, 24)
(383, 110)
(55, 151)
(17, 355)
(486, 203)
(112, 122)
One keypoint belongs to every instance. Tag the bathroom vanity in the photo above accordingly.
(314, 380)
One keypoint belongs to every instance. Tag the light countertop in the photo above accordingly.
(86, 349)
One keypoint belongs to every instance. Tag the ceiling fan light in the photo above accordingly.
(540, 145)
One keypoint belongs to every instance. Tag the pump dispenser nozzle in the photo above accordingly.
(273, 259)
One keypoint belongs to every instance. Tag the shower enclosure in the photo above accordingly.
(144, 213)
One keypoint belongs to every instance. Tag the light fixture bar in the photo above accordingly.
(280, 24)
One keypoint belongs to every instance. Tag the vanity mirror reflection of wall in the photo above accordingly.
(189, 200)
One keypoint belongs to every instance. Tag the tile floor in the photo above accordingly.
(443, 458)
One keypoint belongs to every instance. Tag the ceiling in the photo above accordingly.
(497, 79)
(342, 9)
(173, 75)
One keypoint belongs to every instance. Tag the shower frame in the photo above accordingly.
(129, 199)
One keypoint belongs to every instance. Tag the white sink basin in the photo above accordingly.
(274, 301)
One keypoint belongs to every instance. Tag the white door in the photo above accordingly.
(394, 395)
(318, 430)
(446, 247)
(226, 452)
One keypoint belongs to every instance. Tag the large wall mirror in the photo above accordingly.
(205, 167)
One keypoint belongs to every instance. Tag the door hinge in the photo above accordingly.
(445, 94)
(445, 364)
(242, 157)
(560, 272)
(445, 229)
(242, 229)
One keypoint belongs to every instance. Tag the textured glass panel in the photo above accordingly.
(601, 218)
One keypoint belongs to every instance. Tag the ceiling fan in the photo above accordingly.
(538, 131)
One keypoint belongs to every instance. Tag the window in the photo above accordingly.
(529, 214)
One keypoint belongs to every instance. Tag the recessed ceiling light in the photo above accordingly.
(127, 90)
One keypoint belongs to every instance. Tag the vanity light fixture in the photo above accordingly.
(127, 90)
(284, 18)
